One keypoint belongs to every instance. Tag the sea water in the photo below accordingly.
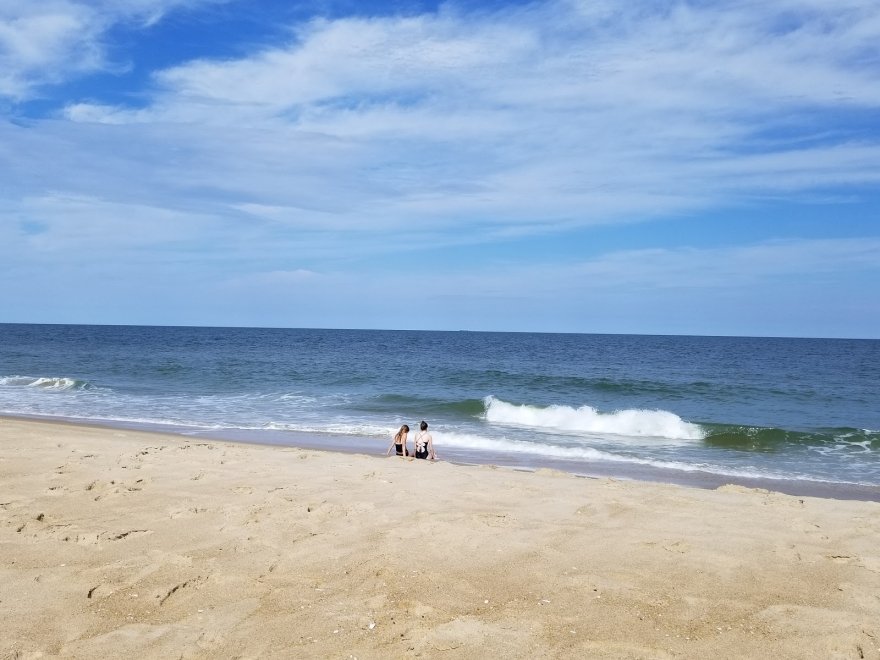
(667, 408)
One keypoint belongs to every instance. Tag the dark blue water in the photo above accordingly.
(792, 409)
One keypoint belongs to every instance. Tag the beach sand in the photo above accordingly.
(117, 543)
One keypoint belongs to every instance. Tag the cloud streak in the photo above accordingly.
(710, 288)
(301, 160)
(555, 112)
(48, 42)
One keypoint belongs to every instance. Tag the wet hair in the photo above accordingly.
(423, 426)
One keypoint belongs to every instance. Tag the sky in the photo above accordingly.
(595, 166)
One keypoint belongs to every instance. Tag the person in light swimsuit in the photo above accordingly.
(424, 443)
(399, 442)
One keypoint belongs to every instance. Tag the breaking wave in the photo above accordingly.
(633, 423)
(57, 384)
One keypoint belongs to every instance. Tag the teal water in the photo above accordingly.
(752, 408)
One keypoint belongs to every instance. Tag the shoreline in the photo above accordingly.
(590, 469)
(118, 542)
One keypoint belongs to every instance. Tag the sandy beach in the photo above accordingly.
(120, 543)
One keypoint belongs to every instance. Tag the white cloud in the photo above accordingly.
(685, 269)
(339, 58)
(47, 41)
(734, 267)
(40, 44)
(558, 112)
(77, 228)
(807, 286)
(364, 137)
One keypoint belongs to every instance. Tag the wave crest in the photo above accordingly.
(633, 423)
(57, 384)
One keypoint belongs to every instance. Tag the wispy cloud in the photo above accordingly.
(710, 289)
(729, 267)
(43, 44)
(50, 41)
(353, 136)
(555, 112)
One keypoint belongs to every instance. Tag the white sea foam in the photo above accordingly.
(497, 446)
(359, 430)
(42, 382)
(632, 423)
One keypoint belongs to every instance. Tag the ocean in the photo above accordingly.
(798, 415)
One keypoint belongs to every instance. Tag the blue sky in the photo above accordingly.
(568, 165)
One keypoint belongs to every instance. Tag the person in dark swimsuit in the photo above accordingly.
(399, 442)
(424, 443)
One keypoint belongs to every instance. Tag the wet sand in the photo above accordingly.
(118, 542)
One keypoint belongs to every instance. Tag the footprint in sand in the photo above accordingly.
(40, 526)
(843, 558)
(99, 591)
(81, 539)
(149, 450)
(494, 519)
(92, 538)
(188, 512)
(102, 489)
(326, 510)
(197, 444)
(679, 547)
(188, 584)
(119, 536)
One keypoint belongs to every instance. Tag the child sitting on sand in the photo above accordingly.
(399, 442)
(424, 443)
